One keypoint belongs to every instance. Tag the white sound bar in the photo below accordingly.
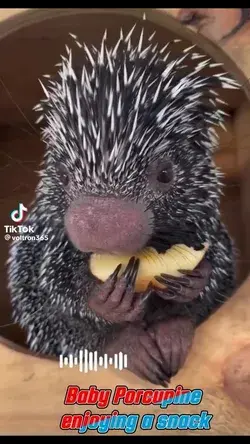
(90, 361)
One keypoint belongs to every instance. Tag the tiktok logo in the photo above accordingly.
(18, 215)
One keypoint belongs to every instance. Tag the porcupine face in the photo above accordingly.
(129, 144)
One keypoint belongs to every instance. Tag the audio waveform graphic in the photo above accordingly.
(90, 361)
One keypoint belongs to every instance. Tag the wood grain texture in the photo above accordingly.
(236, 372)
(218, 23)
(242, 137)
(39, 38)
(32, 389)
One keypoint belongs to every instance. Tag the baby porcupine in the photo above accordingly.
(128, 162)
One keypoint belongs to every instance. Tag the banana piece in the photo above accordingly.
(152, 264)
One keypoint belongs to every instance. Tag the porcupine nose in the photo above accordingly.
(107, 224)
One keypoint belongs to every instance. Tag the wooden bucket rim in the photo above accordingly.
(21, 18)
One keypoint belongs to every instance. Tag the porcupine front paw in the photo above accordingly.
(115, 300)
(174, 339)
(187, 287)
(143, 355)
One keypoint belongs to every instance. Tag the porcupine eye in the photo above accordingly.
(165, 175)
(63, 174)
(161, 175)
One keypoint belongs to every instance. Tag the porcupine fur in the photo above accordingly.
(107, 122)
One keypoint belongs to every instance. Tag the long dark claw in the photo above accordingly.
(164, 281)
(161, 375)
(167, 294)
(129, 269)
(147, 293)
(180, 280)
(171, 283)
(154, 380)
(184, 271)
(194, 273)
(115, 273)
(133, 275)
(157, 375)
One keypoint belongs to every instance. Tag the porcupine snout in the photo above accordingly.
(108, 224)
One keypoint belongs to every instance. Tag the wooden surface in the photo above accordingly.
(242, 136)
(32, 389)
(219, 26)
(33, 50)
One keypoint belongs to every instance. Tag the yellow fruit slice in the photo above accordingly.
(152, 264)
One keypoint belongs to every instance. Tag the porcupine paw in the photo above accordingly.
(143, 355)
(187, 287)
(174, 339)
(115, 300)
